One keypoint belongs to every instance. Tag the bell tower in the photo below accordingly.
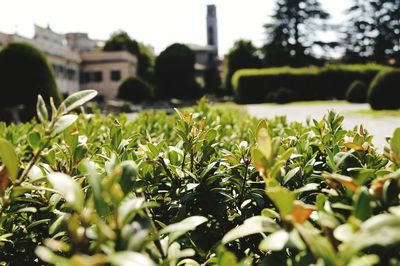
(212, 29)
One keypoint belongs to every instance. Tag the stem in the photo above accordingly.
(242, 188)
(183, 161)
(154, 231)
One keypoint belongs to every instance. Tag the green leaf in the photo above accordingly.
(62, 123)
(94, 180)
(290, 175)
(68, 188)
(77, 99)
(9, 158)
(395, 142)
(362, 208)
(282, 198)
(129, 258)
(182, 227)
(275, 241)
(264, 142)
(253, 225)
(381, 230)
(41, 110)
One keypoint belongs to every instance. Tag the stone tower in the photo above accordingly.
(212, 30)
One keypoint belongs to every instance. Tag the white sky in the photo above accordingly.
(155, 22)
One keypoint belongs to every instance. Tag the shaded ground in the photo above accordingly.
(379, 126)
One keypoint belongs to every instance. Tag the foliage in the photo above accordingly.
(25, 73)
(242, 55)
(134, 89)
(121, 41)
(383, 92)
(253, 85)
(291, 34)
(283, 95)
(372, 31)
(357, 92)
(200, 187)
(174, 73)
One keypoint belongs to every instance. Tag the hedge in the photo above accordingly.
(357, 92)
(384, 92)
(329, 82)
(135, 89)
(25, 73)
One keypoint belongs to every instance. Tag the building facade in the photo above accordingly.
(78, 62)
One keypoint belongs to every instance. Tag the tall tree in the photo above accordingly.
(359, 32)
(372, 31)
(121, 41)
(175, 73)
(291, 34)
(242, 55)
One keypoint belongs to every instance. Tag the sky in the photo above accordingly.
(158, 23)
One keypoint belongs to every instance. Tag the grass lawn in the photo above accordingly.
(376, 113)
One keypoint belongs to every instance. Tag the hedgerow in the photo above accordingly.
(203, 186)
(253, 85)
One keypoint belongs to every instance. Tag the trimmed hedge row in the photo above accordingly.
(254, 85)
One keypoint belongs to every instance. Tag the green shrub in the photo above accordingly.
(25, 73)
(207, 186)
(134, 89)
(384, 92)
(357, 92)
(175, 74)
(283, 95)
(252, 85)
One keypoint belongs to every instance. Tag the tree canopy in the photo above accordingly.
(291, 34)
(175, 74)
(242, 55)
(121, 41)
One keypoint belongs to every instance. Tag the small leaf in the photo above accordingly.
(62, 123)
(301, 212)
(395, 142)
(130, 258)
(77, 99)
(253, 225)
(264, 142)
(68, 188)
(184, 226)
(9, 158)
(290, 174)
(41, 110)
(275, 241)
(282, 198)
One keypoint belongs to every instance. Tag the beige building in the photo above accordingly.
(105, 71)
(78, 62)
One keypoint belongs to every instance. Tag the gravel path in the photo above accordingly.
(379, 127)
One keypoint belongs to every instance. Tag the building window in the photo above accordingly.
(98, 76)
(115, 75)
(71, 74)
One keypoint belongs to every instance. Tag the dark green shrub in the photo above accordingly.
(25, 73)
(284, 95)
(134, 89)
(253, 85)
(384, 92)
(336, 79)
(357, 92)
(174, 73)
(330, 82)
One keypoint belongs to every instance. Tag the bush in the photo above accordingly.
(252, 85)
(134, 89)
(283, 95)
(174, 73)
(357, 92)
(384, 92)
(25, 73)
